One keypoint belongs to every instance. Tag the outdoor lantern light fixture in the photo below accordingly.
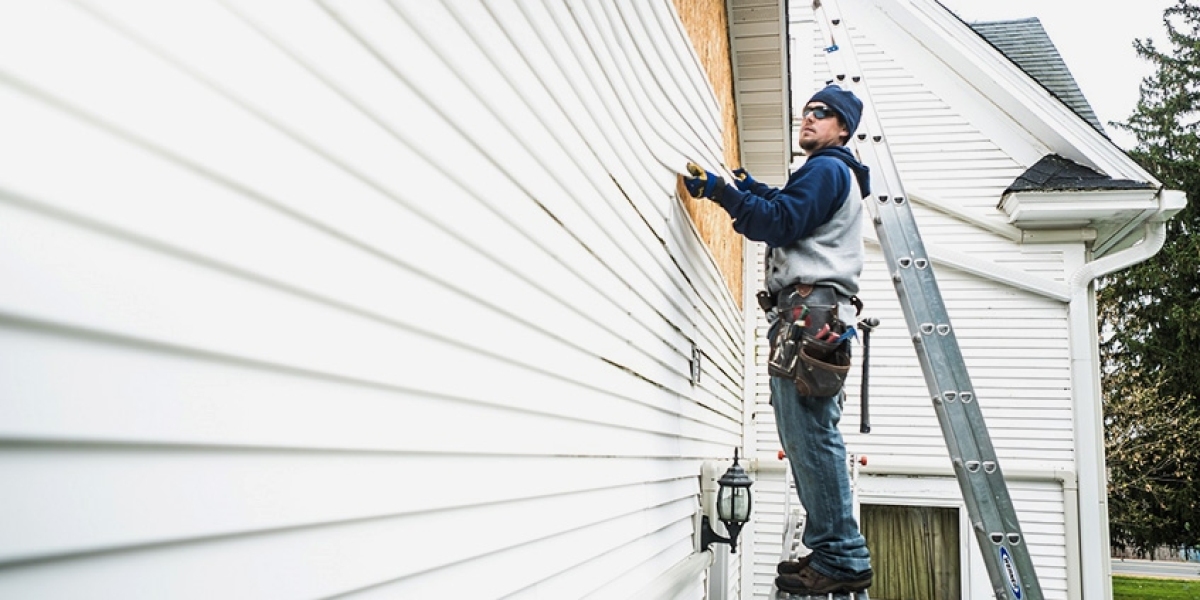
(733, 507)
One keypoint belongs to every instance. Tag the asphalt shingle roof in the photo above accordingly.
(1054, 173)
(1026, 43)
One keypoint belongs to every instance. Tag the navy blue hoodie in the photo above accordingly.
(812, 195)
(813, 234)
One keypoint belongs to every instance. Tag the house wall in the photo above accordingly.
(1014, 341)
(355, 298)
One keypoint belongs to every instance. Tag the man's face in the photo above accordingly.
(818, 133)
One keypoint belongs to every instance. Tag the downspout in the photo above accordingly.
(1092, 568)
(1070, 486)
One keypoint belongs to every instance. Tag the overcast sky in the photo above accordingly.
(1095, 38)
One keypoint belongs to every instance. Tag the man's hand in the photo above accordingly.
(743, 180)
(702, 184)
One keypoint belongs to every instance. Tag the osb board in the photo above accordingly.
(707, 25)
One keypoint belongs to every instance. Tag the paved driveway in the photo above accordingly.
(1156, 568)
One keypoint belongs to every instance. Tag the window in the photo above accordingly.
(915, 552)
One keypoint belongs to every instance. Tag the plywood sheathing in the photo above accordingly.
(707, 24)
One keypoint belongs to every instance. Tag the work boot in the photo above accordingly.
(808, 581)
(793, 566)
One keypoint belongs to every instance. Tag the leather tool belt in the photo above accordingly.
(810, 345)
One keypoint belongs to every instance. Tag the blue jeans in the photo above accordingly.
(808, 429)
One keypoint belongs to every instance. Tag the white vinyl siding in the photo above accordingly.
(1015, 348)
(1042, 509)
(324, 298)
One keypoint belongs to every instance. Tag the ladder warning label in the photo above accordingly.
(1014, 582)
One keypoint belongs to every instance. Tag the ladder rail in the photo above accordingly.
(966, 435)
(977, 469)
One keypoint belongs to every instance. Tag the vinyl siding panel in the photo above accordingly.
(769, 521)
(938, 152)
(1015, 348)
(353, 298)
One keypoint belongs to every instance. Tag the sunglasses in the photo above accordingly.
(818, 112)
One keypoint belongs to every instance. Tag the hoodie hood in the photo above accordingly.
(861, 172)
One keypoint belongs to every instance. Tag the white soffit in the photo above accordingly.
(758, 52)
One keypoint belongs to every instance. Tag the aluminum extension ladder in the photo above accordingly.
(989, 506)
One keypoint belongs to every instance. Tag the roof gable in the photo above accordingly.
(987, 87)
(1012, 111)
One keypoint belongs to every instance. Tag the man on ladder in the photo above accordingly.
(813, 230)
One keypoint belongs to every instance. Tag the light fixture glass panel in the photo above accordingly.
(741, 505)
(725, 503)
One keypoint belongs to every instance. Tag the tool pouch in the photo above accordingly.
(806, 346)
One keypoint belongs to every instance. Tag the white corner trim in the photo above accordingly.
(1092, 542)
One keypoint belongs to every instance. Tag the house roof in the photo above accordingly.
(1054, 173)
(1026, 43)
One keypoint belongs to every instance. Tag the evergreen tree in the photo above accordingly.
(1150, 317)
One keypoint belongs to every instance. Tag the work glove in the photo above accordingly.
(743, 180)
(702, 184)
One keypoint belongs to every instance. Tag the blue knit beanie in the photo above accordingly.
(843, 102)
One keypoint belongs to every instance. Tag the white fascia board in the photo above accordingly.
(1120, 213)
(1172, 201)
(1029, 113)
(1044, 209)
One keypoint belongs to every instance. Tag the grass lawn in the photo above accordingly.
(1149, 588)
